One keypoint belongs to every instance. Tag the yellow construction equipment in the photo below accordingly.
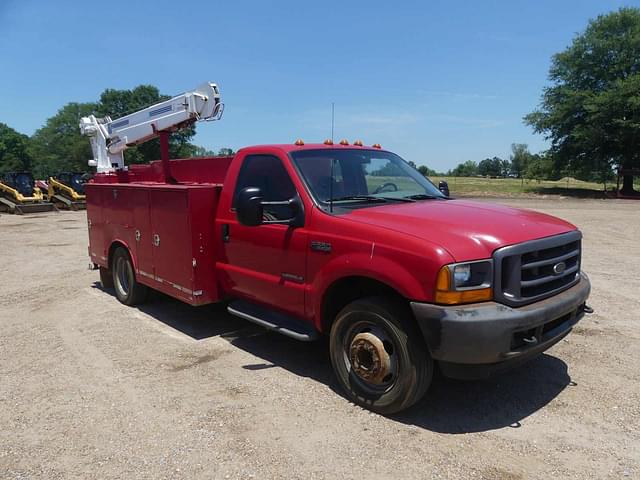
(19, 195)
(66, 190)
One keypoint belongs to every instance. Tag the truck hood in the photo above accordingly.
(467, 230)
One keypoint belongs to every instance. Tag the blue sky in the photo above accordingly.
(438, 82)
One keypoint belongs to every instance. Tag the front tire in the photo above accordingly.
(378, 355)
(128, 290)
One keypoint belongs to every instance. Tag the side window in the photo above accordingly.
(267, 173)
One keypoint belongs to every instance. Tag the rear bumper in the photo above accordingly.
(477, 340)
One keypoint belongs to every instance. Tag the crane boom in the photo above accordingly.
(110, 138)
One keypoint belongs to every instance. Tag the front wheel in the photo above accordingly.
(378, 356)
(128, 290)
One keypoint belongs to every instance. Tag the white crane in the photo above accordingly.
(110, 138)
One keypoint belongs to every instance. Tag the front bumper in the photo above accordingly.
(477, 340)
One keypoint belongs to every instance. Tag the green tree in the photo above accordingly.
(426, 171)
(14, 155)
(505, 167)
(202, 152)
(466, 169)
(520, 157)
(539, 167)
(226, 152)
(591, 111)
(58, 145)
(491, 167)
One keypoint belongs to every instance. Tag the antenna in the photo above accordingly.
(333, 105)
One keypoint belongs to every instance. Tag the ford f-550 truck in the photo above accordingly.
(341, 240)
(348, 241)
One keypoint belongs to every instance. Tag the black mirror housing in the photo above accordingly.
(250, 209)
(249, 206)
(443, 187)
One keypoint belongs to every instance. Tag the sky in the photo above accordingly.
(438, 82)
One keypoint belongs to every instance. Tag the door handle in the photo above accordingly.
(225, 232)
(156, 240)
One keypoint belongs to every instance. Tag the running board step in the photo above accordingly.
(278, 322)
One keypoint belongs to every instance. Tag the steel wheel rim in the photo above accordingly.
(123, 276)
(372, 382)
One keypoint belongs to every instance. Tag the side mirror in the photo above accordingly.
(250, 209)
(249, 206)
(443, 187)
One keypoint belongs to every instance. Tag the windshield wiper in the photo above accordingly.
(399, 199)
(422, 196)
(372, 198)
(366, 198)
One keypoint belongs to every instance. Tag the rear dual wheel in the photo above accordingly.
(378, 355)
(128, 290)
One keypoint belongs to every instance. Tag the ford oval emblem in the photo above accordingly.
(559, 268)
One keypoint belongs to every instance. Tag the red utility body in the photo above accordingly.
(167, 228)
(299, 273)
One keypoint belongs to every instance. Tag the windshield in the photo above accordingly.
(24, 184)
(77, 183)
(350, 176)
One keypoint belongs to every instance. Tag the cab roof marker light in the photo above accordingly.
(299, 142)
(344, 142)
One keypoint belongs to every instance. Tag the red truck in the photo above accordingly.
(347, 241)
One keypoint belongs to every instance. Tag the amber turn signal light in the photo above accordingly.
(299, 142)
(445, 295)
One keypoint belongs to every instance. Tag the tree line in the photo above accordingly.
(532, 166)
(58, 145)
(590, 112)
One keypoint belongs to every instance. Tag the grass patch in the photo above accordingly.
(475, 186)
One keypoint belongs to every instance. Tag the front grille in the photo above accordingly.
(530, 271)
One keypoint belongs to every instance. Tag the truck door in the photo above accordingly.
(266, 263)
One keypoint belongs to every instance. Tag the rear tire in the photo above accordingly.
(378, 355)
(106, 278)
(128, 290)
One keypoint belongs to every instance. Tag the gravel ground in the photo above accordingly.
(90, 388)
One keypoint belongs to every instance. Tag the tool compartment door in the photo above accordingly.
(95, 224)
(142, 232)
(171, 239)
(203, 202)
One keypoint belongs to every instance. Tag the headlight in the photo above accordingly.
(464, 283)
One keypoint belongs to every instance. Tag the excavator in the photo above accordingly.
(19, 195)
(66, 190)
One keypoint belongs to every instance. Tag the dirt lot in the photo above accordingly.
(90, 388)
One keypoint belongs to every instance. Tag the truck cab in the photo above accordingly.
(350, 242)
